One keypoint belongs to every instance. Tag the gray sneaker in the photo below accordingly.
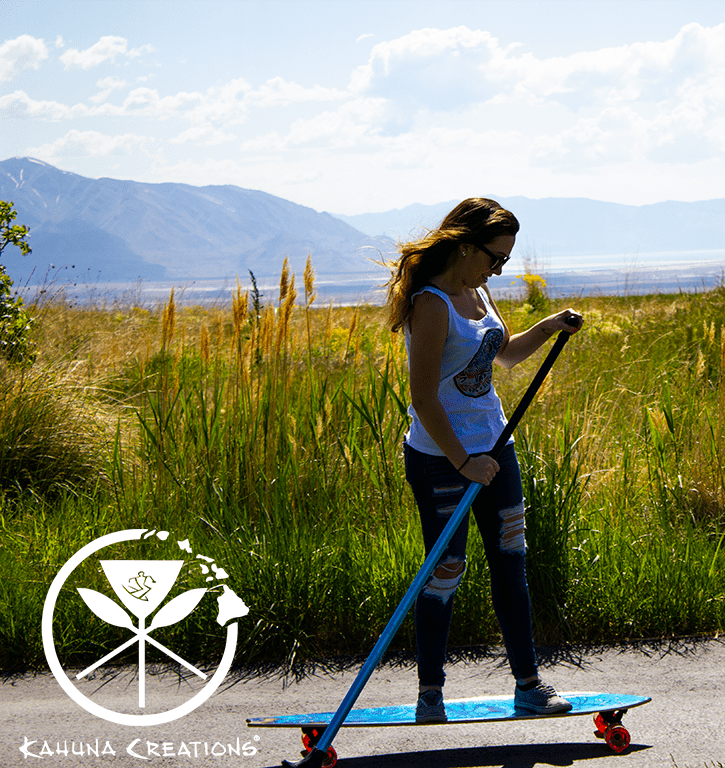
(540, 698)
(430, 708)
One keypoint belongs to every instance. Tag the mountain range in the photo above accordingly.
(577, 226)
(125, 230)
(122, 231)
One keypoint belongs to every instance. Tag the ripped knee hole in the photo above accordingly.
(445, 579)
(513, 529)
(449, 569)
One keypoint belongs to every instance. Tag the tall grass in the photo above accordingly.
(273, 433)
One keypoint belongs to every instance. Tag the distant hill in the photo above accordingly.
(577, 226)
(114, 231)
(119, 231)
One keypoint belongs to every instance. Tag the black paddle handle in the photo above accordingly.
(534, 387)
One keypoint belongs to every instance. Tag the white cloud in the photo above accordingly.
(590, 142)
(24, 52)
(279, 92)
(223, 104)
(648, 71)
(662, 100)
(450, 69)
(431, 69)
(136, 53)
(146, 102)
(107, 86)
(18, 105)
(349, 126)
(77, 144)
(620, 134)
(108, 48)
(206, 135)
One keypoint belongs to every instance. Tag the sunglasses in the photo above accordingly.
(496, 260)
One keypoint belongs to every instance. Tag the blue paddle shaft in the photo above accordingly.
(316, 755)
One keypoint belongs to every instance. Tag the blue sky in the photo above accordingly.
(362, 106)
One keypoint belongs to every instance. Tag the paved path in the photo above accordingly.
(683, 726)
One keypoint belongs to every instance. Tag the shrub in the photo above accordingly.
(15, 323)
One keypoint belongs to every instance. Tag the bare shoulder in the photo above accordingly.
(428, 334)
(429, 309)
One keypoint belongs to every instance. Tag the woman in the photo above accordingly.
(439, 295)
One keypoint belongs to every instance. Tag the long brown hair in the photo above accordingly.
(476, 220)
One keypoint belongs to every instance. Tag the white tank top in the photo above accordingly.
(465, 390)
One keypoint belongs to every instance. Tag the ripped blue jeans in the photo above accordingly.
(499, 512)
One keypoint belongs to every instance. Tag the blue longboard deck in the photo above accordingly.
(487, 708)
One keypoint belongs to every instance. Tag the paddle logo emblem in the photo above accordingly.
(136, 590)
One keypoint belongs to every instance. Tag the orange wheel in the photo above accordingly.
(310, 737)
(600, 723)
(330, 758)
(617, 738)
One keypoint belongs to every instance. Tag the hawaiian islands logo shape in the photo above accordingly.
(231, 606)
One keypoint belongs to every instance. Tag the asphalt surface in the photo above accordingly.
(682, 726)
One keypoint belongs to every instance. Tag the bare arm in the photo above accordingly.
(428, 332)
(522, 345)
(517, 348)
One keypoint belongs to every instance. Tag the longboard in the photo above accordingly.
(608, 709)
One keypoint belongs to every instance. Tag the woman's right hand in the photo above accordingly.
(480, 469)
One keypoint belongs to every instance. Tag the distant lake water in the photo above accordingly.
(642, 273)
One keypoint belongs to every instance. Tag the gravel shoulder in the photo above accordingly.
(682, 726)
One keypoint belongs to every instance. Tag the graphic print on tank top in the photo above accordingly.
(475, 379)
